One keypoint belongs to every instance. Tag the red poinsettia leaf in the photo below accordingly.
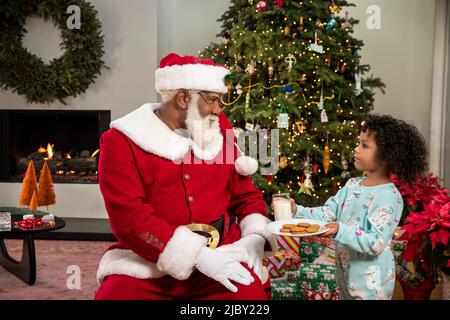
(434, 237)
(444, 236)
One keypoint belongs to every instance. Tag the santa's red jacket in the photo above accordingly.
(155, 181)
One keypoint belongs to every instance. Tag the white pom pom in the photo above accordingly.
(246, 166)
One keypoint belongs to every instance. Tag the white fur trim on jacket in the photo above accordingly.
(180, 254)
(148, 132)
(177, 259)
(191, 77)
(126, 262)
(255, 223)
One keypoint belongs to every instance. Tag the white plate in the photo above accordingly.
(274, 227)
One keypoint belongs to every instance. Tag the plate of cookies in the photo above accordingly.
(297, 227)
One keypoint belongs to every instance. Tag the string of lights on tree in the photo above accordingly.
(296, 67)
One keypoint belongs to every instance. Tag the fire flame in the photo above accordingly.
(49, 151)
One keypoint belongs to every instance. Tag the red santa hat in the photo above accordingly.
(190, 73)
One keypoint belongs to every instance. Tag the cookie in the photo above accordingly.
(301, 231)
(303, 224)
(285, 230)
(289, 226)
(313, 228)
(297, 229)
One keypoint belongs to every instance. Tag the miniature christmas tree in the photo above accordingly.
(46, 191)
(29, 185)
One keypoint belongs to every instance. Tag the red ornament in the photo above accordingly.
(30, 224)
(261, 6)
(344, 65)
(279, 3)
(315, 168)
(269, 178)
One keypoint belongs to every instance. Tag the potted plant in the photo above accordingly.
(425, 232)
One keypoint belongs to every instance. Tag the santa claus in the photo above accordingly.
(189, 222)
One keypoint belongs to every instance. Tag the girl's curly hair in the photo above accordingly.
(399, 144)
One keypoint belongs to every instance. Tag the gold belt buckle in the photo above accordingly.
(208, 231)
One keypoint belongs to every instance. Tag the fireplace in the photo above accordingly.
(67, 140)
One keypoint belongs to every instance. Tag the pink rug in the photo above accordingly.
(56, 262)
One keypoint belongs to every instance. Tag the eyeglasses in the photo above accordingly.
(211, 101)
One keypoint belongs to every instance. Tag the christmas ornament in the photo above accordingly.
(315, 46)
(279, 3)
(300, 24)
(247, 97)
(306, 186)
(261, 6)
(31, 224)
(331, 24)
(334, 8)
(343, 67)
(251, 68)
(270, 72)
(283, 162)
(287, 30)
(315, 168)
(346, 24)
(249, 126)
(283, 119)
(269, 178)
(288, 89)
(290, 60)
(302, 79)
(239, 89)
(323, 116)
(358, 88)
(302, 125)
(306, 165)
(326, 158)
(328, 60)
(321, 101)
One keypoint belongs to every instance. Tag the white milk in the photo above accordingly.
(282, 209)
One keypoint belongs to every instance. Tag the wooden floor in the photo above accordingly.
(435, 295)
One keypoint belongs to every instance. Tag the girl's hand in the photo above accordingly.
(293, 207)
(334, 228)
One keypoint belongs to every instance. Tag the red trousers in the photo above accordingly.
(198, 286)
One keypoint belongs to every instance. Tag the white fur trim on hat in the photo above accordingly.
(255, 223)
(246, 165)
(126, 262)
(191, 77)
(148, 132)
(179, 257)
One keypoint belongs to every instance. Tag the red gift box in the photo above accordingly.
(293, 260)
(317, 295)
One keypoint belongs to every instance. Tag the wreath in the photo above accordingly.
(71, 73)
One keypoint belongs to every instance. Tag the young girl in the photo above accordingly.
(366, 211)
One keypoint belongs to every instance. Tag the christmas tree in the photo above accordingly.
(46, 191)
(29, 185)
(33, 203)
(295, 67)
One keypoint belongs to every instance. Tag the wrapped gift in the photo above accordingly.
(293, 260)
(286, 291)
(288, 243)
(328, 256)
(324, 241)
(316, 295)
(310, 251)
(275, 265)
(314, 277)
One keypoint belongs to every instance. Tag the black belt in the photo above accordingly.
(212, 231)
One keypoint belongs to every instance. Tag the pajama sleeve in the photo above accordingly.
(381, 220)
(328, 212)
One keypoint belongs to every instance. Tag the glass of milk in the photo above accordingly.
(282, 206)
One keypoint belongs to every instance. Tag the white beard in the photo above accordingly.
(203, 131)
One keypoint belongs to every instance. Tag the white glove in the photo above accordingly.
(222, 268)
(254, 243)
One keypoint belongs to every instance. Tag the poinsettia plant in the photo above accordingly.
(426, 228)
